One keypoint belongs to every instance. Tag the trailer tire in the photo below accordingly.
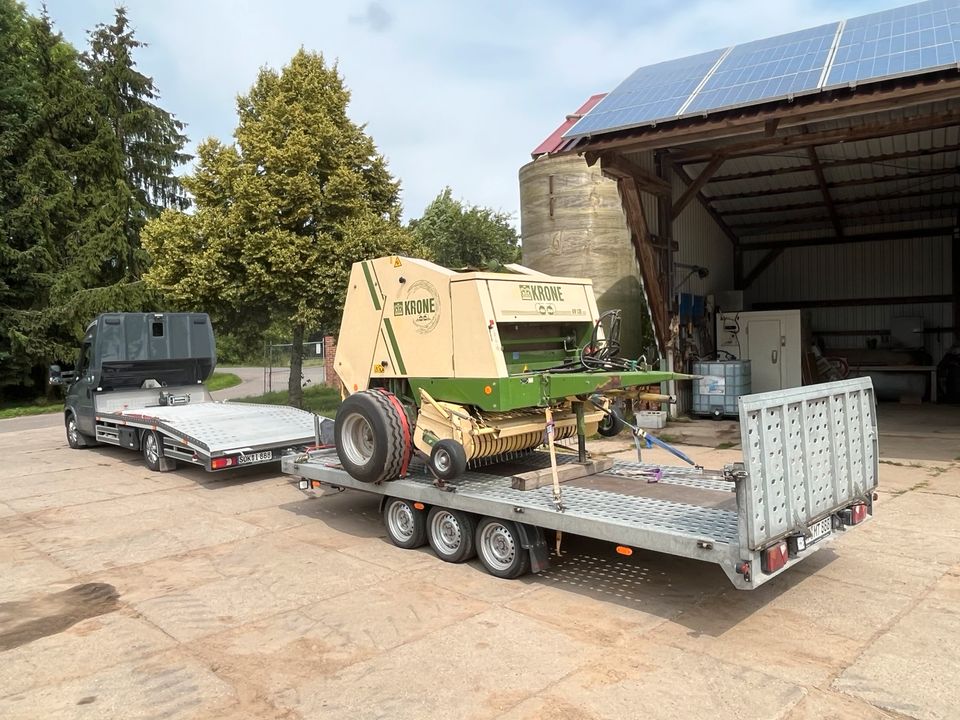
(406, 525)
(452, 534)
(500, 548)
(76, 439)
(370, 438)
(448, 459)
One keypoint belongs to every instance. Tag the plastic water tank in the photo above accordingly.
(722, 382)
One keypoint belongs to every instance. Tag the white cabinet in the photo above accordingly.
(773, 342)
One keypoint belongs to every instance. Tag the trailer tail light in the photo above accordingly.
(222, 462)
(855, 514)
(774, 557)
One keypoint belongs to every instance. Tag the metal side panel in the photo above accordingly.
(807, 452)
(222, 427)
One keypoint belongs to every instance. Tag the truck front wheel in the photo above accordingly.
(75, 438)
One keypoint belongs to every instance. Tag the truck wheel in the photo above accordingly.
(610, 426)
(150, 445)
(76, 439)
(406, 525)
(499, 549)
(451, 534)
(448, 459)
(370, 439)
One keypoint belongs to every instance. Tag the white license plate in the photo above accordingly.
(255, 457)
(819, 530)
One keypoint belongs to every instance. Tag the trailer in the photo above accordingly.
(809, 474)
(139, 384)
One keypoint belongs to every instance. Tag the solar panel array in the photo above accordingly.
(908, 39)
(916, 38)
(650, 93)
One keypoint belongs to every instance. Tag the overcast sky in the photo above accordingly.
(453, 93)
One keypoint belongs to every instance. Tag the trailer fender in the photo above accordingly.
(532, 539)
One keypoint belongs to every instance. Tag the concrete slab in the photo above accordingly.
(820, 705)
(914, 669)
(170, 685)
(477, 668)
(662, 682)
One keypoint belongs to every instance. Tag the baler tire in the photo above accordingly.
(369, 437)
(610, 425)
(448, 459)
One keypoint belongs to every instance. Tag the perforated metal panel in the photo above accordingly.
(807, 452)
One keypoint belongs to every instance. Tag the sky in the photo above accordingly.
(453, 93)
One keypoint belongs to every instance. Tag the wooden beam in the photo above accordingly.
(618, 167)
(955, 276)
(649, 272)
(871, 218)
(827, 164)
(853, 302)
(694, 188)
(825, 191)
(762, 146)
(721, 223)
(836, 104)
(927, 192)
(833, 185)
(945, 231)
(758, 269)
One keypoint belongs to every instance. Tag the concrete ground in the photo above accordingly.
(131, 594)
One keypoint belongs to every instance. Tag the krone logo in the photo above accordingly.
(421, 303)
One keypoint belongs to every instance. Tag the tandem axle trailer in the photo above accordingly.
(808, 474)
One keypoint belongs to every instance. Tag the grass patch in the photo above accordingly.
(37, 407)
(671, 439)
(900, 464)
(222, 381)
(725, 446)
(316, 398)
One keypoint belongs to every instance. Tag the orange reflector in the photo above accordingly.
(419, 506)
(487, 390)
(314, 484)
(624, 550)
(354, 387)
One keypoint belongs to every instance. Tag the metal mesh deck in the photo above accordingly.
(217, 427)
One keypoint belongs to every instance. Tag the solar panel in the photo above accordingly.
(655, 92)
(768, 69)
(908, 39)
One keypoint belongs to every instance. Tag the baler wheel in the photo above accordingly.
(448, 459)
(610, 425)
(369, 435)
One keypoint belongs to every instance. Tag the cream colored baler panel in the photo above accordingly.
(476, 346)
(539, 301)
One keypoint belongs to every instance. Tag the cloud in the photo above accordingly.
(376, 17)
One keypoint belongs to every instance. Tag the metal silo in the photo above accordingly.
(572, 224)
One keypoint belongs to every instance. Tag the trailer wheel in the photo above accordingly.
(150, 445)
(500, 550)
(451, 534)
(448, 459)
(406, 525)
(610, 425)
(369, 435)
(76, 439)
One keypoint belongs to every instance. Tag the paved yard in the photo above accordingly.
(130, 594)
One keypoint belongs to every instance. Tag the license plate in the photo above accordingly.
(819, 530)
(255, 457)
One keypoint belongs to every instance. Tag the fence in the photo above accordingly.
(276, 365)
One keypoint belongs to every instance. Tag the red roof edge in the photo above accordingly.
(555, 141)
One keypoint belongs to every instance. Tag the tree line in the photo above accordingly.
(260, 233)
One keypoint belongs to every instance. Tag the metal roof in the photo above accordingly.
(555, 142)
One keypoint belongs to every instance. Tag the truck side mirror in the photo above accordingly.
(56, 377)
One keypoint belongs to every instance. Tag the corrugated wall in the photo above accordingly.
(889, 268)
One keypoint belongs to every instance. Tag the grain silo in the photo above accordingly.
(572, 224)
